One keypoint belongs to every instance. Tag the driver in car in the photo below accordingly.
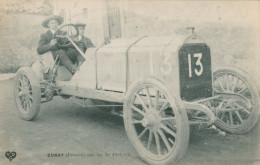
(67, 56)
(83, 42)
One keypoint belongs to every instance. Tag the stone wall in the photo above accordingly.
(20, 34)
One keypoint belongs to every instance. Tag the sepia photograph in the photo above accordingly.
(129, 82)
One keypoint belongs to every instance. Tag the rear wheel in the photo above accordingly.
(155, 122)
(27, 93)
(236, 116)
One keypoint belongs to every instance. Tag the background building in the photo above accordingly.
(231, 29)
(102, 17)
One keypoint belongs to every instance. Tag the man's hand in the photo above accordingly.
(53, 42)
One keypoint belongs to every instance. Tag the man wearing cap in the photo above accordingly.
(83, 42)
(48, 43)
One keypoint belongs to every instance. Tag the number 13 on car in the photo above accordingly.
(199, 71)
(195, 70)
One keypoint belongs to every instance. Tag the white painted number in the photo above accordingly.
(189, 61)
(198, 63)
(166, 68)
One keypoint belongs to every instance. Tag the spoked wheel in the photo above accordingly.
(235, 116)
(27, 93)
(155, 122)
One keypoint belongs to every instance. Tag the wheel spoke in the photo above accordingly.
(25, 80)
(240, 118)
(142, 102)
(142, 133)
(164, 139)
(220, 105)
(150, 139)
(231, 118)
(156, 99)
(222, 116)
(164, 106)
(136, 121)
(227, 83)
(243, 108)
(20, 93)
(167, 118)
(226, 109)
(170, 124)
(30, 96)
(27, 105)
(158, 145)
(137, 110)
(217, 90)
(148, 97)
(208, 104)
(24, 105)
(22, 101)
(29, 102)
(19, 87)
(219, 115)
(234, 84)
(20, 80)
(168, 130)
(242, 90)
(221, 85)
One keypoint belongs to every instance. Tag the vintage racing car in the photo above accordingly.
(163, 83)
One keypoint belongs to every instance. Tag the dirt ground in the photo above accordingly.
(93, 136)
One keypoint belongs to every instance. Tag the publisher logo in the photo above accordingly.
(10, 155)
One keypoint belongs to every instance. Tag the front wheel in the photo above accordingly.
(155, 122)
(235, 116)
(27, 93)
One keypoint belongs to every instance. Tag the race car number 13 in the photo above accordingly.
(198, 71)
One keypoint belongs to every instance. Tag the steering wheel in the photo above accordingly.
(65, 35)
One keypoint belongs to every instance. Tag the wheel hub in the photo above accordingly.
(151, 119)
(25, 90)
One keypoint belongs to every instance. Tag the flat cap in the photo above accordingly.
(80, 25)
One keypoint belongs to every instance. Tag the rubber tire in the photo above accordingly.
(183, 135)
(36, 93)
(253, 117)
